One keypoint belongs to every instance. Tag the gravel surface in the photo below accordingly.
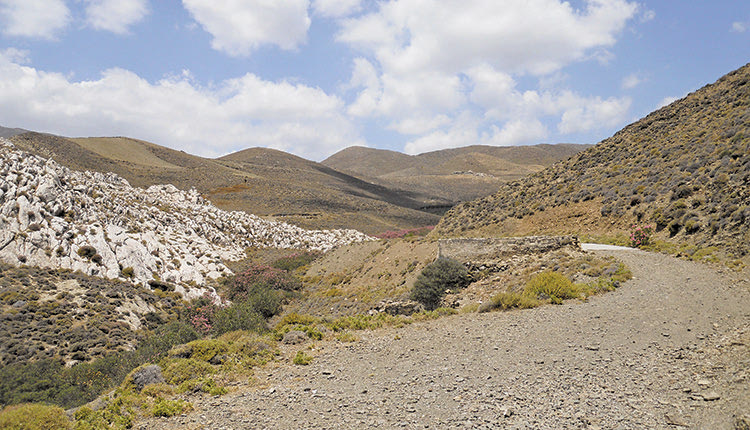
(669, 349)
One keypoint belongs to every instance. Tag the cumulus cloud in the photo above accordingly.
(631, 81)
(666, 101)
(115, 15)
(239, 27)
(175, 111)
(593, 113)
(536, 36)
(336, 8)
(423, 77)
(43, 19)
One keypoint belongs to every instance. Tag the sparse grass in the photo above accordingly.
(302, 359)
(34, 416)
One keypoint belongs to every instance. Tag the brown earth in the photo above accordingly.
(668, 349)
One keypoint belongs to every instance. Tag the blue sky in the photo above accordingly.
(312, 77)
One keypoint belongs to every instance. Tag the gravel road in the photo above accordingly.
(669, 349)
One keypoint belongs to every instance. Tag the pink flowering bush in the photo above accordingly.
(641, 235)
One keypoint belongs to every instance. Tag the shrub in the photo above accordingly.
(180, 370)
(32, 416)
(127, 272)
(294, 261)
(552, 285)
(436, 278)
(259, 275)
(87, 251)
(302, 359)
(243, 316)
(509, 300)
(641, 235)
(169, 408)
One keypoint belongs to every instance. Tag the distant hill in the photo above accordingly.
(260, 181)
(684, 168)
(10, 132)
(456, 175)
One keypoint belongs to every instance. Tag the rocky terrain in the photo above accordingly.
(668, 349)
(51, 216)
(684, 169)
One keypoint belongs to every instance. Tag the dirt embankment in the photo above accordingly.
(669, 349)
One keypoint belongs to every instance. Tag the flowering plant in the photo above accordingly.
(641, 235)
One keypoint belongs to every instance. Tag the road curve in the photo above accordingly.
(668, 349)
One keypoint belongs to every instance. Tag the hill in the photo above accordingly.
(9, 132)
(456, 175)
(260, 181)
(684, 168)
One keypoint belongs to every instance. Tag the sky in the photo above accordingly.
(312, 77)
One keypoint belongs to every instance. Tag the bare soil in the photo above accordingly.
(669, 349)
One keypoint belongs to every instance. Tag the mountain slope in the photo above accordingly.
(684, 168)
(261, 181)
(457, 174)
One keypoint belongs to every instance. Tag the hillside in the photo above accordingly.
(9, 132)
(456, 175)
(52, 216)
(261, 181)
(684, 168)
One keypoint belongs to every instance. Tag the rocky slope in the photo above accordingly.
(51, 216)
(684, 169)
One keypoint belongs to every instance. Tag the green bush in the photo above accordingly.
(180, 370)
(552, 285)
(509, 300)
(243, 315)
(169, 408)
(438, 277)
(302, 359)
(32, 416)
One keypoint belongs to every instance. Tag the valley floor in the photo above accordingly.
(668, 349)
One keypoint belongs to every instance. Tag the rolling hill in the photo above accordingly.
(260, 181)
(684, 168)
(457, 174)
(275, 184)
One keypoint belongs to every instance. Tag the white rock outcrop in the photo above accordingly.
(51, 216)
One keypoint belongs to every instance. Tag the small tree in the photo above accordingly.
(438, 277)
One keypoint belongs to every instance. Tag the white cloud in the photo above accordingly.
(631, 81)
(739, 27)
(18, 56)
(463, 132)
(336, 8)
(115, 15)
(239, 27)
(33, 18)
(231, 115)
(535, 36)
(593, 113)
(648, 15)
(516, 132)
(425, 63)
(667, 101)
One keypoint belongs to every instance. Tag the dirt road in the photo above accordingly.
(669, 349)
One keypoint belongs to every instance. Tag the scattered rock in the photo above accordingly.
(147, 375)
(294, 337)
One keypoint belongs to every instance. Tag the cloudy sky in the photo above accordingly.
(312, 77)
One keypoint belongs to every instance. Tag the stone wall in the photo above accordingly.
(475, 252)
